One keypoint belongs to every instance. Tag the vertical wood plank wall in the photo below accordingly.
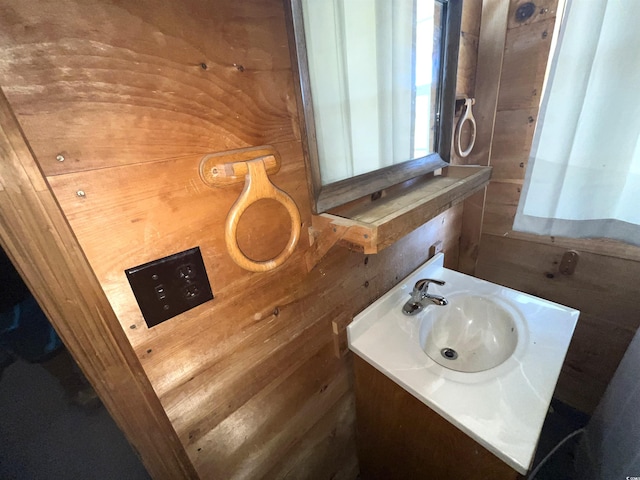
(131, 95)
(467, 60)
(604, 286)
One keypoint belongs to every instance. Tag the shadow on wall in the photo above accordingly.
(610, 447)
(26, 334)
(25, 331)
(52, 423)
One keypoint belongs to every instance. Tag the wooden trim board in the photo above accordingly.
(493, 29)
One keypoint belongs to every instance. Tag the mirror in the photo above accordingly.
(377, 89)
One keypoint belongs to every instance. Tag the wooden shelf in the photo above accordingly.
(376, 224)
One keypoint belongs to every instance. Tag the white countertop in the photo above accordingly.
(503, 408)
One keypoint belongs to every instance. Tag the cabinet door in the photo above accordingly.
(400, 437)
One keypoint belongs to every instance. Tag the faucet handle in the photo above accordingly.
(423, 284)
(419, 295)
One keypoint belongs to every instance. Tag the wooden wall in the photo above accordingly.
(131, 95)
(467, 62)
(604, 285)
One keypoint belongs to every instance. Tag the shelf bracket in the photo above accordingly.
(327, 230)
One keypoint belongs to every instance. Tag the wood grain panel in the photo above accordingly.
(467, 61)
(247, 442)
(512, 144)
(538, 273)
(601, 246)
(471, 233)
(37, 238)
(592, 361)
(249, 380)
(259, 328)
(488, 72)
(157, 79)
(145, 210)
(524, 65)
(468, 54)
(491, 50)
(231, 382)
(471, 17)
(581, 391)
(400, 437)
(299, 324)
(335, 429)
(265, 352)
(500, 207)
(603, 288)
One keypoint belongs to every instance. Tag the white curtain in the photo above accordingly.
(583, 177)
(362, 76)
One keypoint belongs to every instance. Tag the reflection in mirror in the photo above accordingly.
(374, 70)
(376, 92)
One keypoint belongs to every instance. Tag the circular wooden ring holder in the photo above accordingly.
(253, 166)
(467, 116)
(257, 187)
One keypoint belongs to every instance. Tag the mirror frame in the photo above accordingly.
(338, 193)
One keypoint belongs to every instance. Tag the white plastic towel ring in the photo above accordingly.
(467, 116)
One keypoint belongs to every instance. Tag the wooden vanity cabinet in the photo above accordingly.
(398, 436)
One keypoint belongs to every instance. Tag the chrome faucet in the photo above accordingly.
(419, 297)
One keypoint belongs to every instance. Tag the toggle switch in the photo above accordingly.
(160, 292)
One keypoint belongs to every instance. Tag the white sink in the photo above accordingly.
(471, 333)
(510, 347)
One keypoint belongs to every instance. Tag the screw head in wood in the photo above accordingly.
(81, 193)
(60, 157)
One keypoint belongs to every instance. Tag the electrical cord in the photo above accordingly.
(535, 471)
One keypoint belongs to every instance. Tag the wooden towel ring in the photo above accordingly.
(257, 186)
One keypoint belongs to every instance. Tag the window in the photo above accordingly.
(583, 178)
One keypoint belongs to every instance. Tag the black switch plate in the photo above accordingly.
(169, 286)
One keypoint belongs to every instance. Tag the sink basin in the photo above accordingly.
(471, 334)
(487, 362)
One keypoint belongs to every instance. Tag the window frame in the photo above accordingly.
(326, 197)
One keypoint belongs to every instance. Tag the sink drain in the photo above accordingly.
(449, 353)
